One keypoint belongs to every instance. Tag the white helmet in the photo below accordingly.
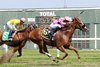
(23, 19)
(68, 18)
(61, 19)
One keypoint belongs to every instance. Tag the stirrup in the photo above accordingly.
(52, 38)
(10, 39)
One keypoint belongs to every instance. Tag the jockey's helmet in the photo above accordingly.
(61, 19)
(68, 18)
(23, 19)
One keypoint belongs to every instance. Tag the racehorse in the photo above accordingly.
(62, 39)
(18, 41)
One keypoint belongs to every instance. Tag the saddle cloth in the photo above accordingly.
(45, 33)
(6, 36)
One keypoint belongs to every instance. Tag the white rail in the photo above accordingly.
(85, 38)
(95, 40)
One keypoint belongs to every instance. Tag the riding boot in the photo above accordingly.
(10, 34)
(53, 31)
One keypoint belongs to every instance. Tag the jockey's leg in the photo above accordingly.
(10, 34)
(54, 30)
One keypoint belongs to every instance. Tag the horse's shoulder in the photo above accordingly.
(58, 33)
(1, 30)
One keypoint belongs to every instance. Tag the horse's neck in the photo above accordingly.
(26, 31)
(70, 31)
(21, 32)
(21, 35)
(1, 33)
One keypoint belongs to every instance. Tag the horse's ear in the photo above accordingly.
(75, 18)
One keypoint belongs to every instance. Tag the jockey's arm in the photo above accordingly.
(14, 27)
(20, 27)
(63, 23)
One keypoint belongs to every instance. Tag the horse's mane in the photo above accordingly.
(75, 18)
(23, 30)
(33, 25)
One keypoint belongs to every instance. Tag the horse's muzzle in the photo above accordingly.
(85, 29)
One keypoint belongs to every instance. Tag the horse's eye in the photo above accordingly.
(83, 25)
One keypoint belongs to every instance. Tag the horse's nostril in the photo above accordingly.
(85, 29)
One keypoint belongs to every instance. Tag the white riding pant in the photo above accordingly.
(55, 25)
(9, 25)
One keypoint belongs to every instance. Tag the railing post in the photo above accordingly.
(95, 34)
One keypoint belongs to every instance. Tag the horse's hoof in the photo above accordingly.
(18, 55)
(57, 57)
(8, 61)
(1, 62)
(79, 60)
(55, 60)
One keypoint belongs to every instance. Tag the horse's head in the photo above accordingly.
(30, 27)
(79, 24)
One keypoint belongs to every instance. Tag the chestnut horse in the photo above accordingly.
(18, 41)
(62, 39)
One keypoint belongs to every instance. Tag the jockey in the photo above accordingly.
(58, 23)
(67, 20)
(12, 25)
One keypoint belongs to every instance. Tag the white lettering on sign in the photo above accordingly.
(47, 13)
(31, 19)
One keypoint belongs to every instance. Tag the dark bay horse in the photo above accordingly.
(62, 39)
(18, 41)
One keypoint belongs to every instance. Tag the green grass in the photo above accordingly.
(32, 58)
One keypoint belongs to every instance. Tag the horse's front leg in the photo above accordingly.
(77, 53)
(20, 48)
(62, 49)
(20, 52)
(12, 54)
(43, 50)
